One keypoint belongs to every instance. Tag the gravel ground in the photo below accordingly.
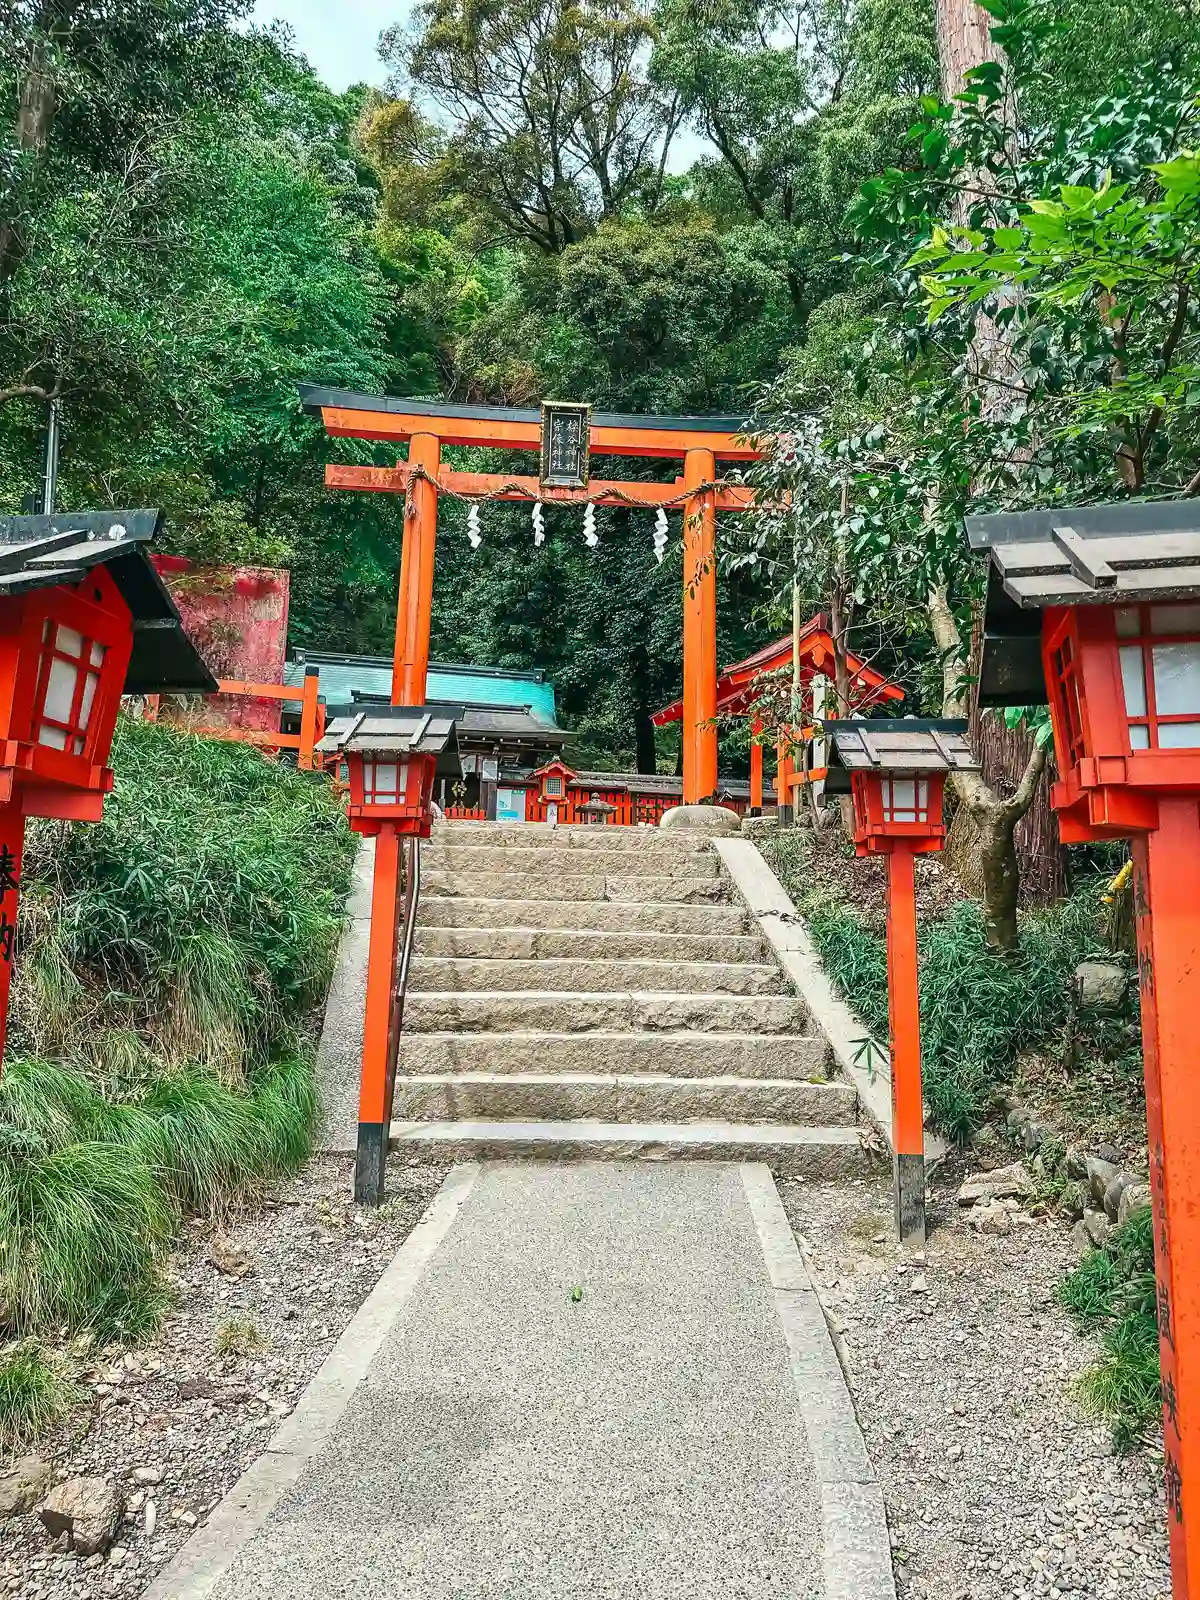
(998, 1487)
(174, 1423)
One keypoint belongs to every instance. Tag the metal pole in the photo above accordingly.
(50, 481)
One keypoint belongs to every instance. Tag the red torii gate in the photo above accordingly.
(700, 442)
(736, 692)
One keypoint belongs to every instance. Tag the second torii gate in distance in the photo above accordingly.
(699, 442)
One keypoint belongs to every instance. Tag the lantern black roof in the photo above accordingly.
(1117, 554)
(398, 731)
(40, 552)
(902, 745)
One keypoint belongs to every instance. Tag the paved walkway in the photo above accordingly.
(681, 1428)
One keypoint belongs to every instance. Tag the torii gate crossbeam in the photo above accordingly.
(700, 442)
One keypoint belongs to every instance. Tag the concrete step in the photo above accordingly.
(540, 835)
(563, 1011)
(680, 1055)
(814, 1153)
(588, 944)
(615, 1097)
(602, 916)
(581, 976)
(550, 884)
(439, 857)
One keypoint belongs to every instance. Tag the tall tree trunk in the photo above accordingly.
(995, 816)
(964, 41)
(645, 748)
(37, 103)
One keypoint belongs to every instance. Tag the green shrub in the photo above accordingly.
(200, 917)
(978, 1010)
(35, 1394)
(1113, 1289)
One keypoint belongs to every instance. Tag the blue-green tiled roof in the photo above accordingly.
(345, 677)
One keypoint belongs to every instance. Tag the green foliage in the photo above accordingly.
(240, 1337)
(35, 1394)
(978, 1010)
(201, 914)
(1113, 1290)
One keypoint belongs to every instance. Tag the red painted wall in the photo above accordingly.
(237, 617)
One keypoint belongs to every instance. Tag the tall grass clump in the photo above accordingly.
(978, 1010)
(169, 959)
(35, 1394)
(1113, 1290)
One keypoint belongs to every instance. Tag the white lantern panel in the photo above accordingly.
(1139, 736)
(55, 738)
(1129, 624)
(1179, 735)
(97, 657)
(60, 690)
(1176, 679)
(1133, 677)
(69, 643)
(903, 799)
(1175, 619)
(90, 683)
(383, 776)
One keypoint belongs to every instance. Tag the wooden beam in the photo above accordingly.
(512, 486)
(500, 432)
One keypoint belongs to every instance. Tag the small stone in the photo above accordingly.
(150, 1518)
(87, 1510)
(1100, 1174)
(1110, 1153)
(1097, 1227)
(23, 1486)
(117, 1555)
(1033, 1136)
(228, 1257)
(994, 1218)
(1134, 1197)
(1100, 985)
(147, 1475)
(1112, 1195)
(1011, 1180)
(1075, 1162)
(918, 1283)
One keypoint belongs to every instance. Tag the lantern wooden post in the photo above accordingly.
(378, 1060)
(12, 844)
(699, 631)
(410, 665)
(393, 757)
(904, 1022)
(1167, 900)
(756, 770)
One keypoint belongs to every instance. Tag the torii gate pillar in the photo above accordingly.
(699, 632)
(414, 613)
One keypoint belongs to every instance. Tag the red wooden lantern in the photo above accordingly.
(554, 780)
(393, 756)
(84, 617)
(896, 771)
(1097, 609)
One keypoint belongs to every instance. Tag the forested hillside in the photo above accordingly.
(191, 222)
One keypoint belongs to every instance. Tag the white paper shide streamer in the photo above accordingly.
(590, 537)
(473, 526)
(539, 526)
(660, 534)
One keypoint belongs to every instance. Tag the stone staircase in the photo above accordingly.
(590, 991)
